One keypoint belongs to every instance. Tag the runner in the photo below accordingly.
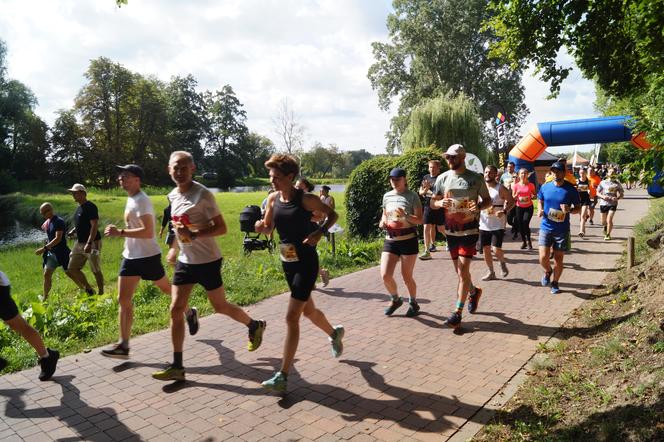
(433, 218)
(290, 211)
(316, 218)
(594, 182)
(48, 359)
(197, 220)
(88, 240)
(402, 211)
(141, 257)
(459, 191)
(557, 199)
(523, 193)
(55, 252)
(492, 223)
(609, 192)
(508, 179)
(583, 186)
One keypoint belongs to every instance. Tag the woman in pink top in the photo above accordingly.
(524, 193)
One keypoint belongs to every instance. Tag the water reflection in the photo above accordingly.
(18, 234)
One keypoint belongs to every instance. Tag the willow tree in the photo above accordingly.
(446, 120)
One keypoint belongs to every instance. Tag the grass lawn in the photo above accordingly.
(71, 321)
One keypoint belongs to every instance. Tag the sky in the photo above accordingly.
(315, 53)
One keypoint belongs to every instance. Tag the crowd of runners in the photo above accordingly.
(471, 210)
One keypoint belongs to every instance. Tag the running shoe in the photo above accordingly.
(337, 341)
(504, 271)
(524, 246)
(474, 300)
(554, 288)
(170, 373)
(432, 248)
(425, 256)
(546, 279)
(278, 382)
(591, 222)
(489, 276)
(192, 321)
(3, 363)
(607, 237)
(116, 352)
(256, 337)
(48, 364)
(325, 277)
(394, 305)
(90, 292)
(413, 309)
(453, 321)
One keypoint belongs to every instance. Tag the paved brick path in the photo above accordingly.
(398, 379)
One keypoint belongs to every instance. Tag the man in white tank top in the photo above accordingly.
(492, 223)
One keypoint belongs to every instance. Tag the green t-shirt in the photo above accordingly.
(463, 188)
(409, 201)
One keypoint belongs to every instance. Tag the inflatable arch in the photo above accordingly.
(565, 133)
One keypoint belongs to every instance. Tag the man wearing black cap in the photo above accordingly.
(463, 194)
(557, 199)
(141, 257)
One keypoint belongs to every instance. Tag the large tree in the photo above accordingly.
(437, 47)
(617, 43)
(186, 117)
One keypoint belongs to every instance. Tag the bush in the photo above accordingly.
(369, 182)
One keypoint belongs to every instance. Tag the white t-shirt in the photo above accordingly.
(195, 209)
(489, 222)
(4, 280)
(137, 206)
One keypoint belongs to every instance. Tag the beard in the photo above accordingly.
(455, 165)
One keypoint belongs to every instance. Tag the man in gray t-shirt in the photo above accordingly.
(463, 194)
(197, 221)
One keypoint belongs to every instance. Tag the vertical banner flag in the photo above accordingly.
(501, 132)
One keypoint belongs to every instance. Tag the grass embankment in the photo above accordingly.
(602, 378)
(72, 321)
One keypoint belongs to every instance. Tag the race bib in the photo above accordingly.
(557, 216)
(612, 189)
(524, 199)
(288, 253)
(582, 187)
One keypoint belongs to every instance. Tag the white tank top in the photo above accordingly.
(489, 221)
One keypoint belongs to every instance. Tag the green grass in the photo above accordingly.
(71, 321)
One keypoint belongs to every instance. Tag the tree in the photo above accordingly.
(443, 121)
(185, 113)
(258, 149)
(438, 47)
(70, 150)
(226, 129)
(287, 126)
(319, 160)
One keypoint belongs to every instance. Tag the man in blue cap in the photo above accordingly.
(557, 200)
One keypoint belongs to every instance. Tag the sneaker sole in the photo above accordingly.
(272, 388)
(115, 356)
(196, 325)
(259, 335)
(343, 332)
(453, 327)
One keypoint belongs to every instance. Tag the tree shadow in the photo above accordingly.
(73, 411)
(564, 286)
(417, 411)
(621, 423)
(511, 326)
(342, 293)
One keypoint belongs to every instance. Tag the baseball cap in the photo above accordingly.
(78, 188)
(133, 169)
(558, 166)
(397, 172)
(325, 187)
(455, 149)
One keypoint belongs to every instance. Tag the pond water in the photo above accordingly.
(17, 234)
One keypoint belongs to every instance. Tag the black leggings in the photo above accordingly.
(523, 216)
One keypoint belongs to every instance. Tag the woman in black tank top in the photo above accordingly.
(583, 187)
(289, 210)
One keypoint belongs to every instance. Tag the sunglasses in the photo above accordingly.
(451, 157)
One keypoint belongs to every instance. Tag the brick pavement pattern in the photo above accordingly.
(398, 379)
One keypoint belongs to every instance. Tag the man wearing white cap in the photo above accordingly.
(88, 240)
(463, 194)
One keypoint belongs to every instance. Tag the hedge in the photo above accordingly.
(370, 180)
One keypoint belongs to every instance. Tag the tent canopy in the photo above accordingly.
(579, 160)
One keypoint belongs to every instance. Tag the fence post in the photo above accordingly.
(630, 252)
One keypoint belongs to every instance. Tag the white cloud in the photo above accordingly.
(315, 52)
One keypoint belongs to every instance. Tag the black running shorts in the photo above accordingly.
(8, 309)
(208, 275)
(149, 269)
